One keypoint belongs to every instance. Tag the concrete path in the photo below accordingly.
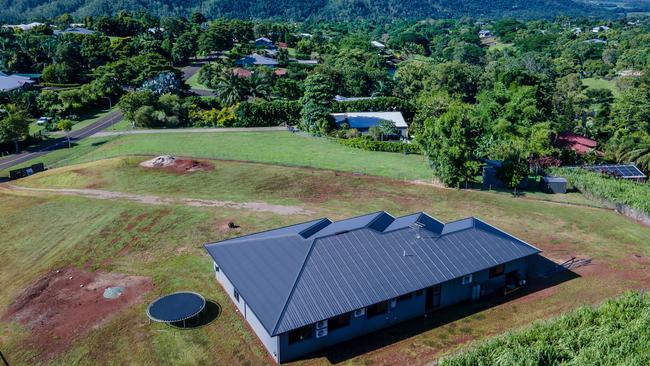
(191, 130)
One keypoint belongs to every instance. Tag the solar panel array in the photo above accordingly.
(627, 171)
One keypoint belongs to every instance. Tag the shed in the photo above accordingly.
(362, 121)
(553, 184)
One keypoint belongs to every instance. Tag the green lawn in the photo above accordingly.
(598, 83)
(194, 83)
(268, 147)
(42, 232)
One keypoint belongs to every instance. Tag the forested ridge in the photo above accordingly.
(23, 10)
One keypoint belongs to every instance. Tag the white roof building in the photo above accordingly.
(600, 28)
(13, 82)
(377, 44)
(362, 121)
(24, 27)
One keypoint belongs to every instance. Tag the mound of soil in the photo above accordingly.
(176, 165)
(67, 304)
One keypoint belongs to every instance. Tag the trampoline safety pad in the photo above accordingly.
(176, 307)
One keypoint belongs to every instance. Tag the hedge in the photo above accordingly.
(635, 195)
(367, 143)
(268, 114)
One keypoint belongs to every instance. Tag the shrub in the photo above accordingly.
(368, 143)
(268, 114)
(635, 195)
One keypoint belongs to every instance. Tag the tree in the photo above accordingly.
(66, 126)
(316, 104)
(513, 170)
(229, 89)
(450, 141)
(14, 126)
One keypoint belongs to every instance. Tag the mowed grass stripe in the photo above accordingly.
(282, 148)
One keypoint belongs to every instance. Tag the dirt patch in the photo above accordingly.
(176, 165)
(157, 200)
(69, 303)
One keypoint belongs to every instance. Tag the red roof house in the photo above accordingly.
(283, 45)
(280, 72)
(241, 72)
(580, 144)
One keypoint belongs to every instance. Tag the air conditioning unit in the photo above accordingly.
(321, 324)
(321, 333)
(359, 312)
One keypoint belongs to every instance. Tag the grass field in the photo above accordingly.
(194, 83)
(268, 147)
(597, 83)
(44, 231)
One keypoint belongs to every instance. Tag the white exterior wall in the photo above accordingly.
(270, 343)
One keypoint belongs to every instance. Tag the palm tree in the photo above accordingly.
(638, 153)
(229, 89)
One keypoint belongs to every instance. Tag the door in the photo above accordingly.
(432, 298)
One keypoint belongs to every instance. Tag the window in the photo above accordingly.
(236, 293)
(467, 279)
(339, 321)
(301, 334)
(497, 270)
(377, 309)
(404, 297)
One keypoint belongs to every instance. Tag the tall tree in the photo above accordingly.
(316, 104)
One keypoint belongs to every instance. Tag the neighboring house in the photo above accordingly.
(378, 45)
(25, 27)
(596, 41)
(13, 82)
(242, 73)
(362, 121)
(600, 28)
(283, 45)
(305, 35)
(484, 33)
(577, 30)
(75, 30)
(629, 73)
(280, 72)
(264, 42)
(339, 98)
(309, 286)
(304, 62)
(256, 60)
(580, 144)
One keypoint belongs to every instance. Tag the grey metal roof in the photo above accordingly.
(301, 274)
(255, 59)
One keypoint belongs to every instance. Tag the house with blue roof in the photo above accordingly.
(309, 286)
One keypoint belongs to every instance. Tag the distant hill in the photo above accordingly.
(23, 10)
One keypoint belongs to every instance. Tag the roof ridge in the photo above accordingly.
(503, 233)
(293, 287)
(269, 230)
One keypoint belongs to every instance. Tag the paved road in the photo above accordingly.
(192, 130)
(190, 71)
(103, 123)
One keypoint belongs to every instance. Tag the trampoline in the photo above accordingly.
(176, 307)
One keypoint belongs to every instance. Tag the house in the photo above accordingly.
(580, 144)
(600, 28)
(309, 286)
(13, 82)
(362, 121)
(595, 41)
(24, 27)
(576, 30)
(242, 73)
(379, 45)
(304, 62)
(281, 72)
(257, 60)
(75, 30)
(305, 35)
(340, 98)
(264, 42)
(283, 45)
(484, 33)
